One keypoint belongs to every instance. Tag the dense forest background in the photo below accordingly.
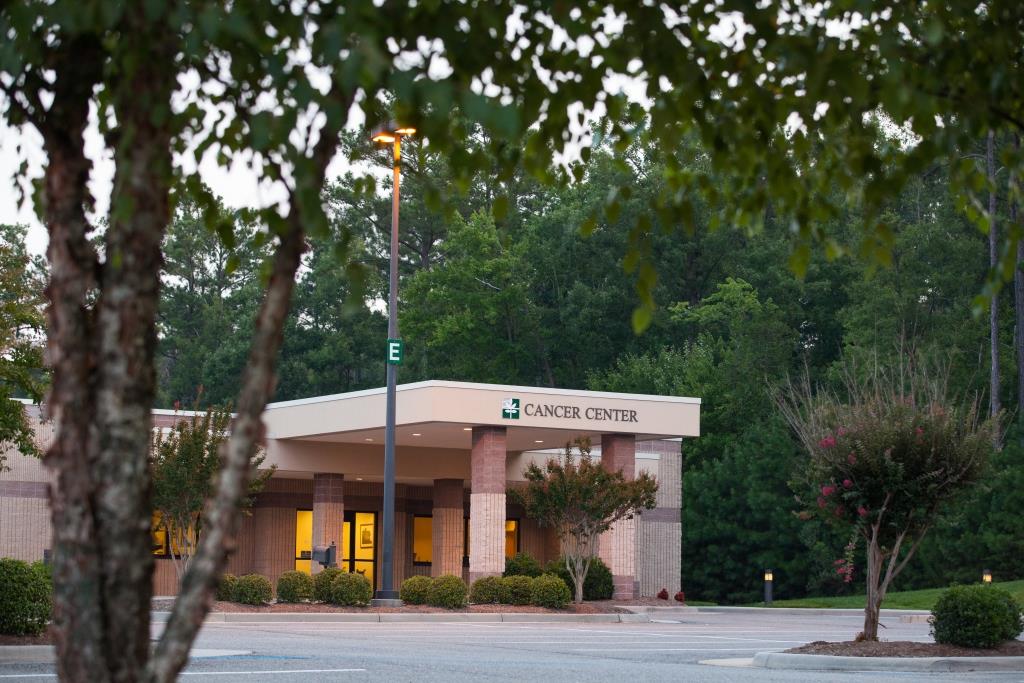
(512, 292)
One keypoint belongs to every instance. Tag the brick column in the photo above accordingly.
(618, 544)
(328, 512)
(487, 503)
(448, 532)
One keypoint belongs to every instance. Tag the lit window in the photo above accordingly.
(422, 540)
(158, 536)
(511, 537)
(303, 540)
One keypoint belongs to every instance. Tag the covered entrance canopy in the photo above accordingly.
(440, 416)
(463, 444)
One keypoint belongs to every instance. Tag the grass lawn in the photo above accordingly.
(922, 599)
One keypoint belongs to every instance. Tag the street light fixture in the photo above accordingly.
(391, 133)
(986, 576)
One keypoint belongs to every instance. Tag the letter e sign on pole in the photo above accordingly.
(396, 351)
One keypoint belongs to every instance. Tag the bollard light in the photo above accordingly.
(768, 587)
(986, 576)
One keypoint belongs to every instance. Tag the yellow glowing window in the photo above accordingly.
(163, 545)
(422, 540)
(303, 540)
(158, 535)
(511, 537)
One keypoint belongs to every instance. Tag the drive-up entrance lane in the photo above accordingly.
(670, 650)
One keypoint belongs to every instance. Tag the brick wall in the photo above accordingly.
(659, 531)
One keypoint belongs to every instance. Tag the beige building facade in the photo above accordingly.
(459, 447)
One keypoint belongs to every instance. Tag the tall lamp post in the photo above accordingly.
(391, 133)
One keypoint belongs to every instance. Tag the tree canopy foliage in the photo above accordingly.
(21, 339)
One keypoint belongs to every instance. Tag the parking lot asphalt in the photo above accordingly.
(668, 650)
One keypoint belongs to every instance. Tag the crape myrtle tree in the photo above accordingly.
(271, 84)
(886, 454)
(184, 463)
(580, 500)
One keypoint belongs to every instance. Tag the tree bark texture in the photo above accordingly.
(101, 347)
(79, 612)
(126, 338)
(993, 256)
(222, 515)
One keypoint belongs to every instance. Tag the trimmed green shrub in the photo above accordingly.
(976, 616)
(522, 564)
(517, 590)
(597, 586)
(550, 591)
(486, 591)
(322, 584)
(414, 590)
(294, 586)
(26, 597)
(447, 591)
(226, 587)
(351, 589)
(253, 589)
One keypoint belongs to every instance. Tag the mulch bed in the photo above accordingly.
(902, 648)
(596, 607)
(46, 638)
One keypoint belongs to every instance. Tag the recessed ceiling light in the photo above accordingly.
(359, 478)
(538, 441)
(367, 439)
(467, 429)
(415, 434)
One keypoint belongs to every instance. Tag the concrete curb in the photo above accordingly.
(819, 611)
(661, 611)
(783, 660)
(413, 617)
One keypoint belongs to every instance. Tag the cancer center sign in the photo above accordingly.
(510, 410)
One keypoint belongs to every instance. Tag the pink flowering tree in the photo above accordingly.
(886, 455)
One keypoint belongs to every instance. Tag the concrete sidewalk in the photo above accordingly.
(413, 617)
(798, 662)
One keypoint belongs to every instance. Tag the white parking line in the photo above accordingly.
(282, 671)
(677, 649)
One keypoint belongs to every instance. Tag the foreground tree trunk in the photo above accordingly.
(102, 341)
(79, 613)
(101, 348)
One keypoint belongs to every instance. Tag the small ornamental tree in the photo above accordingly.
(884, 460)
(185, 461)
(580, 500)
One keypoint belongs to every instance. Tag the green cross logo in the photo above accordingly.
(510, 409)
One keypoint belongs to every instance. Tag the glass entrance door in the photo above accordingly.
(359, 545)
